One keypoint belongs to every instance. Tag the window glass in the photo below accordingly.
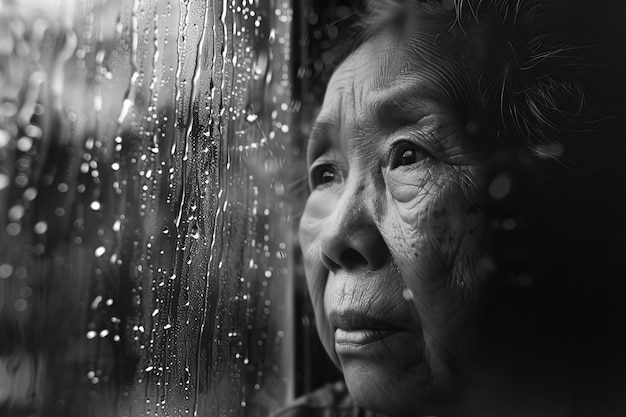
(145, 238)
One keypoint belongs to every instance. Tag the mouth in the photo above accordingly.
(361, 337)
(354, 331)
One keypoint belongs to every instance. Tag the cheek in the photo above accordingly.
(318, 208)
(311, 225)
(316, 211)
(435, 244)
(453, 226)
(436, 218)
(435, 240)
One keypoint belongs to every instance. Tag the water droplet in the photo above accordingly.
(91, 334)
(6, 270)
(97, 103)
(96, 301)
(41, 227)
(30, 194)
(13, 229)
(16, 212)
(509, 224)
(5, 138)
(126, 105)
(4, 181)
(25, 291)
(95, 205)
(20, 304)
(24, 144)
(21, 180)
(100, 251)
(500, 187)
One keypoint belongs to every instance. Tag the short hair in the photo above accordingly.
(530, 94)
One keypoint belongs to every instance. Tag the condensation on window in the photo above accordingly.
(145, 238)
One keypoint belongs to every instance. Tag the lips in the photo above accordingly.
(356, 329)
(366, 316)
(361, 336)
(372, 319)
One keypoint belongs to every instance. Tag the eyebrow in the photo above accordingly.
(404, 104)
(324, 128)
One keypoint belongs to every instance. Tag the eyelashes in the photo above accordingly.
(324, 175)
(327, 171)
(405, 153)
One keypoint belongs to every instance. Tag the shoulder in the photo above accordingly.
(332, 400)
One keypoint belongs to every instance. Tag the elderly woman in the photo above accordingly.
(443, 238)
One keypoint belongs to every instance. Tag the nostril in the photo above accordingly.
(329, 263)
(351, 258)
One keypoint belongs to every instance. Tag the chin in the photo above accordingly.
(395, 390)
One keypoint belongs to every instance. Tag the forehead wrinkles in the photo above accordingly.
(342, 117)
(426, 60)
(438, 65)
(350, 83)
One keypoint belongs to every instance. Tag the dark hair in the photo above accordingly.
(545, 104)
(529, 86)
(548, 94)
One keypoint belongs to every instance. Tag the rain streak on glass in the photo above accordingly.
(143, 266)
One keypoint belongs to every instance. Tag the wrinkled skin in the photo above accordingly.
(392, 230)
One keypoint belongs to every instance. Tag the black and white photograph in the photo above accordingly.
(312, 208)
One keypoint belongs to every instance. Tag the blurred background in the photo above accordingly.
(151, 178)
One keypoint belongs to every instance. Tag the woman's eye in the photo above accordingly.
(324, 176)
(405, 154)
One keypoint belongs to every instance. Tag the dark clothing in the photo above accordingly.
(332, 400)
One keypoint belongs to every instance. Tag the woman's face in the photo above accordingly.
(391, 231)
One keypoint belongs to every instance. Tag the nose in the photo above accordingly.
(350, 239)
